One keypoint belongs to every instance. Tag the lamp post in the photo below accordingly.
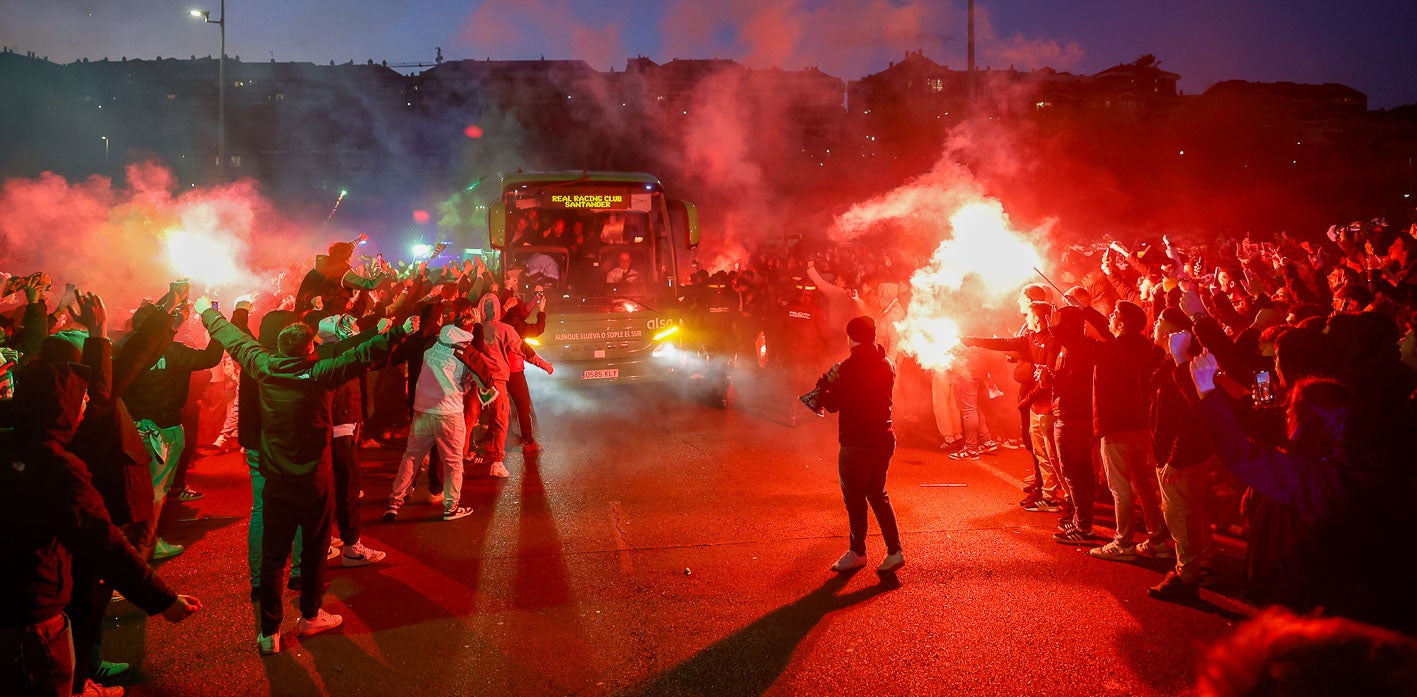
(105, 153)
(220, 21)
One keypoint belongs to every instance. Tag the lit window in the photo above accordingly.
(235, 160)
(171, 96)
(935, 84)
(280, 96)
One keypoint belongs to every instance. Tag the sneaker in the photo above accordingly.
(1012, 444)
(107, 671)
(1175, 590)
(457, 513)
(187, 493)
(322, 621)
(331, 553)
(1159, 550)
(849, 562)
(1066, 523)
(989, 447)
(117, 597)
(93, 689)
(1043, 506)
(531, 446)
(952, 444)
(166, 550)
(391, 514)
(499, 470)
(359, 555)
(965, 454)
(268, 645)
(890, 564)
(1076, 536)
(435, 499)
(1113, 551)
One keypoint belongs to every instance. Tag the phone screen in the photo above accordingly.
(1264, 392)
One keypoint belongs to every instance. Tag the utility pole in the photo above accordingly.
(969, 78)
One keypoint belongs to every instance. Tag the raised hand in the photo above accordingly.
(1203, 371)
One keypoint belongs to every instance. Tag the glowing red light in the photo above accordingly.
(421, 216)
(473, 131)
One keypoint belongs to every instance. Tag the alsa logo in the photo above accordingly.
(659, 323)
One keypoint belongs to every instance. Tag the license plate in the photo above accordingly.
(608, 373)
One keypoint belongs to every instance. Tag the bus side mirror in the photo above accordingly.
(684, 222)
(497, 224)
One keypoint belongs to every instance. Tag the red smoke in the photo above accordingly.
(128, 243)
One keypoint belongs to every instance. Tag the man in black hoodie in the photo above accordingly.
(860, 389)
(52, 516)
(296, 389)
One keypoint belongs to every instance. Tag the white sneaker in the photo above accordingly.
(319, 623)
(332, 552)
(359, 555)
(268, 644)
(849, 561)
(498, 470)
(891, 563)
(1112, 551)
(457, 513)
(435, 499)
(1157, 551)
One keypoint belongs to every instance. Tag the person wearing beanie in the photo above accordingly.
(859, 389)
(295, 388)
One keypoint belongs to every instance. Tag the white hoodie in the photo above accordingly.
(444, 379)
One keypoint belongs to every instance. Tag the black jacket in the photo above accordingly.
(159, 392)
(861, 392)
(295, 395)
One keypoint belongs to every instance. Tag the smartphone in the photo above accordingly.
(1264, 392)
(216, 305)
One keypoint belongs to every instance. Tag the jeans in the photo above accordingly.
(1074, 441)
(344, 452)
(1127, 457)
(1183, 500)
(863, 482)
(1045, 453)
(37, 659)
(976, 431)
(449, 433)
(295, 507)
(255, 530)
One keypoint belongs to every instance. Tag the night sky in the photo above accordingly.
(1370, 45)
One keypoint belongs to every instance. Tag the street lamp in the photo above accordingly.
(220, 21)
(105, 153)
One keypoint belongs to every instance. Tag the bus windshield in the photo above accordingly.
(579, 249)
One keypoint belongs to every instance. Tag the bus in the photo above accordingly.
(607, 250)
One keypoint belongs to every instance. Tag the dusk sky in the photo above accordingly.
(1369, 45)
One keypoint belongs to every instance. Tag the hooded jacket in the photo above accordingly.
(295, 395)
(497, 341)
(862, 393)
(443, 380)
(52, 512)
(248, 397)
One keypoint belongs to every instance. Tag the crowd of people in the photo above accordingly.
(1260, 388)
(1264, 388)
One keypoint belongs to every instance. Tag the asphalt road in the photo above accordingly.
(661, 546)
